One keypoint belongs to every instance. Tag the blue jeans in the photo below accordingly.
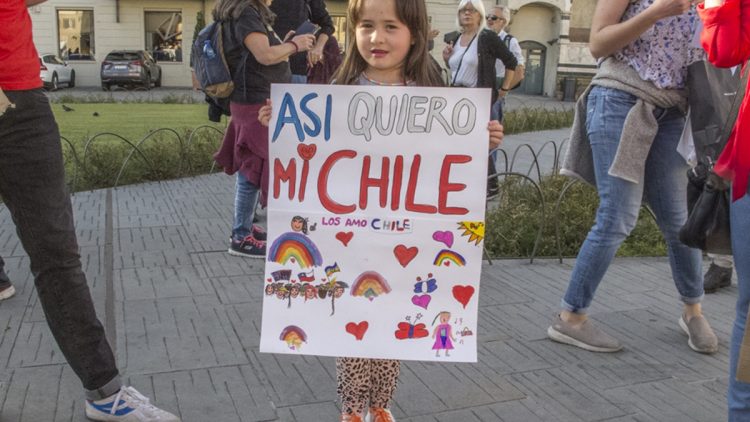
(738, 397)
(663, 187)
(496, 113)
(245, 200)
(299, 79)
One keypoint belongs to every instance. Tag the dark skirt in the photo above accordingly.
(245, 147)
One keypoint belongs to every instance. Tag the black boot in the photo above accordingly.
(717, 277)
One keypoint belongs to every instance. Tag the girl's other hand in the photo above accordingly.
(264, 114)
(496, 134)
(304, 42)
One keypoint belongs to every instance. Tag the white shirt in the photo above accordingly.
(468, 74)
(515, 48)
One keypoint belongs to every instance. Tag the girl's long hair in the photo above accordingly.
(229, 10)
(419, 67)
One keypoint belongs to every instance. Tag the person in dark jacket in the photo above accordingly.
(290, 14)
(470, 55)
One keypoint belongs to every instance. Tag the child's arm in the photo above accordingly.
(264, 114)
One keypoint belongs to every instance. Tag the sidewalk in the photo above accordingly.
(184, 320)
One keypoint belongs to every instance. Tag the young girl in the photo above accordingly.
(391, 49)
(443, 334)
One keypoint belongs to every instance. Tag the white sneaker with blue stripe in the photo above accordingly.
(128, 405)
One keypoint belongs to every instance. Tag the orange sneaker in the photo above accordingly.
(346, 417)
(379, 414)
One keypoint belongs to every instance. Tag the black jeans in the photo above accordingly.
(32, 184)
(3, 277)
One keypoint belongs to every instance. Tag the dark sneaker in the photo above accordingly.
(258, 233)
(717, 277)
(493, 187)
(586, 336)
(249, 247)
(701, 337)
(6, 290)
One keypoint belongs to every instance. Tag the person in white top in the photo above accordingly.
(497, 20)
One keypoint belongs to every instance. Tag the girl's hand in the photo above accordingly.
(667, 8)
(304, 42)
(264, 114)
(496, 133)
(447, 52)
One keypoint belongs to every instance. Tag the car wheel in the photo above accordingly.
(72, 82)
(54, 84)
(105, 87)
(147, 82)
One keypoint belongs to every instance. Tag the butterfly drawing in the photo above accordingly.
(428, 286)
(407, 331)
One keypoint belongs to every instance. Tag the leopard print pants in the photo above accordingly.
(362, 381)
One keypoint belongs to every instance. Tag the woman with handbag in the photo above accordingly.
(726, 38)
(257, 58)
(625, 133)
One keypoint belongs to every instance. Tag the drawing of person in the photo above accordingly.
(338, 291)
(281, 292)
(310, 292)
(270, 290)
(294, 291)
(443, 334)
(299, 224)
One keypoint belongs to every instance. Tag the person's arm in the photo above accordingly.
(515, 48)
(319, 16)
(609, 35)
(266, 54)
(501, 52)
(30, 3)
(726, 31)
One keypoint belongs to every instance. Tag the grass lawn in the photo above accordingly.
(129, 120)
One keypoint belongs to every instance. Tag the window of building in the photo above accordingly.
(164, 35)
(75, 34)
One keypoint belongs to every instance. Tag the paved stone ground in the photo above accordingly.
(184, 319)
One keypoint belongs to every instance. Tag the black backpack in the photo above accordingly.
(506, 40)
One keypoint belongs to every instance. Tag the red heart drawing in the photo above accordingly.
(344, 237)
(294, 280)
(463, 294)
(269, 280)
(404, 254)
(447, 263)
(357, 330)
(307, 152)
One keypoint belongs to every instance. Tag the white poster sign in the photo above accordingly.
(375, 221)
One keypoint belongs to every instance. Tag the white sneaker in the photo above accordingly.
(128, 405)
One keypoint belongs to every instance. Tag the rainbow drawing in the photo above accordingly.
(370, 284)
(446, 257)
(295, 247)
(293, 336)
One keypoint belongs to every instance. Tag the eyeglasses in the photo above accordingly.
(466, 11)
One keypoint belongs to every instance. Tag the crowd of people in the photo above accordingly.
(624, 142)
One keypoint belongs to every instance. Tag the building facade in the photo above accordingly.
(83, 32)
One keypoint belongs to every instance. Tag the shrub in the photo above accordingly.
(513, 221)
(534, 119)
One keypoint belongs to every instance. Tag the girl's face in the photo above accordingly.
(445, 317)
(383, 40)
(297, 224)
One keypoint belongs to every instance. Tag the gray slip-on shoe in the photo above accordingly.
(701, 337)
(586, 336)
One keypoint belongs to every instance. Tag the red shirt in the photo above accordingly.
(726, 38)
(19, 61)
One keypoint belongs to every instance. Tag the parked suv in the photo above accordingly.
(54, 71)
(129, 68)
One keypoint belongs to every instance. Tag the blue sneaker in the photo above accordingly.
(128, 405)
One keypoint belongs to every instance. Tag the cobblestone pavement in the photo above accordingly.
(184, 319)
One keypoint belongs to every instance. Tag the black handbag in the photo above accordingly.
(714, 93)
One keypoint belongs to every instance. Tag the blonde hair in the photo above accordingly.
(479, 6)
